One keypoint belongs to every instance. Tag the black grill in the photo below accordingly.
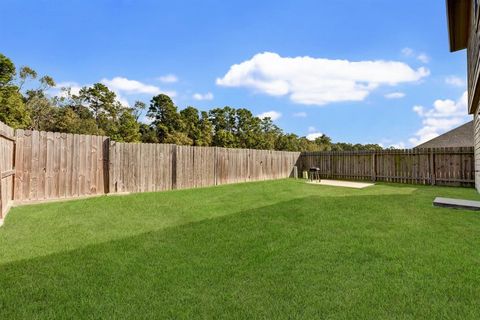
(314, 173)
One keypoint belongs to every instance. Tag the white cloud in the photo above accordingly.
(145, 119)
(317, 81)
(422, 57)
(123, 86)
(200, 97)
(455, 81)
(61, 87)
(443, 116)
(300, 114)
(130, 86)
(399, 145)
(314, 135)
(122, 99)
(420, 110)
(274, 115)
(395, 95)
(407, 52)
(168, 78)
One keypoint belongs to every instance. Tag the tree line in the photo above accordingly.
(95, 110)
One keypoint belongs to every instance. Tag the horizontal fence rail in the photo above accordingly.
(439, 166)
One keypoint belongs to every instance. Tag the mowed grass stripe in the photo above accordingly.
(281, 249)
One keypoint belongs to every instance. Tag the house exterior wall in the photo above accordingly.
(476, 136)
(473, 59)
(473, 62)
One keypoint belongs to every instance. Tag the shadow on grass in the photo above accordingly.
(362, 257)
(40, 230)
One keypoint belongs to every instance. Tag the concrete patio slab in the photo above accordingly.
(456, 203)
(340, 183)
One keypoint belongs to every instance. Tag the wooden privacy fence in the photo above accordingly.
(37, 166)
(439, 166)
(144, 167)
(58, 165)
(7, 161)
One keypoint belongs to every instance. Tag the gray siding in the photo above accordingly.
(473, 60)
(476, 129)
(473, 85)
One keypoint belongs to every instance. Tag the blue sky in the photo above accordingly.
(366, 71)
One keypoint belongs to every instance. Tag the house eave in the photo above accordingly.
(457, 14)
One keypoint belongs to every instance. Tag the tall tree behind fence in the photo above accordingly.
(154, 167)
(439, 166)
(7, 149)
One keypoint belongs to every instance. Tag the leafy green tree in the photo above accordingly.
(96, 110)
(224, 138)
(177, 137)
(24, 74)
(288, 142)
(7, 71)
(206, 130)
(148, 133)
(167, 121)
(270, 134)
(68, 102)
(39, 105)
(224, 124)
(69, 121)
(104, 106)
(372, 146)
(223, 118)
(128, 128)
(12, 106)
(191, 124)
(248, 129)
(138, 108)
(41, 109)
(324, 143)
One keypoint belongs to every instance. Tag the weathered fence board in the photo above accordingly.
(58, 165)
(153, 167)
(440, 166)
(7, 173)
(140, 167)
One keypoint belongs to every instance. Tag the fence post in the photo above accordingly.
(374, 166)
(432, 167)
(215, 164)
(330, 164)
(174, 167)
(110, 185)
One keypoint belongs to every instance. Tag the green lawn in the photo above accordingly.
(272, 250)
